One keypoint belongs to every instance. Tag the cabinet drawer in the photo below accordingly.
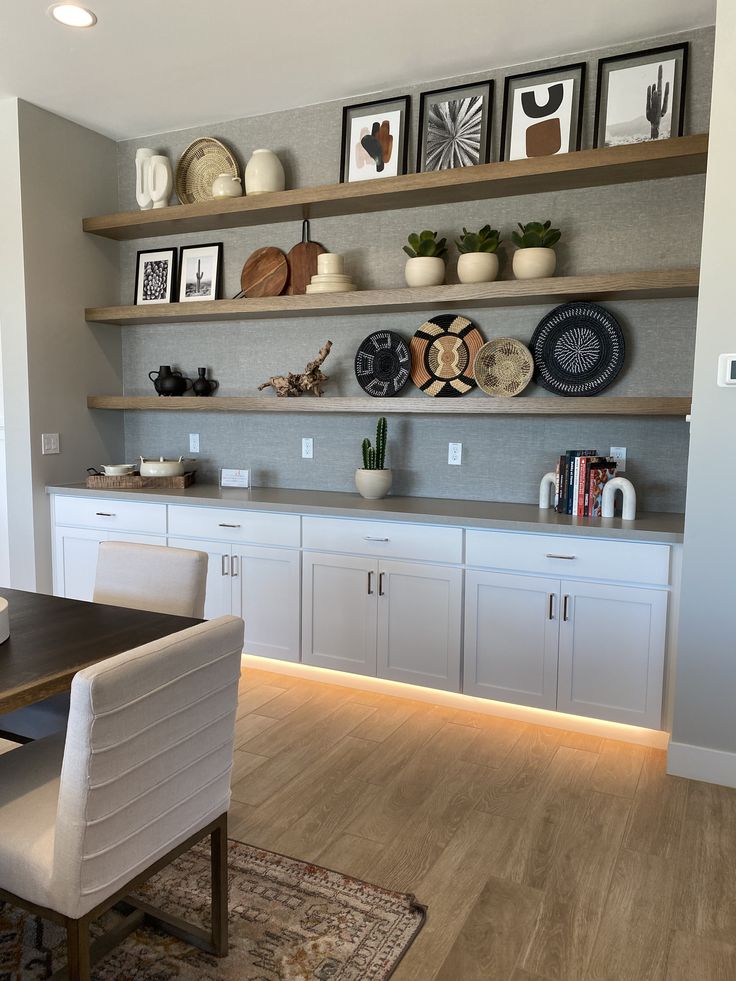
(568, 556)
(107, 513)
(235, 525)
(384, 539)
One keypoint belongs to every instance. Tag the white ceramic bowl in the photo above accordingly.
(118, 469)
(162, 467)
(4, 620)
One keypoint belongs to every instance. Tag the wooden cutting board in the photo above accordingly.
(265, 273)
(302, 261)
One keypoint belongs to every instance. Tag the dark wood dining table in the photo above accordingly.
(52, 638)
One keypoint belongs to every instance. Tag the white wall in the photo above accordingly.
(704, 726)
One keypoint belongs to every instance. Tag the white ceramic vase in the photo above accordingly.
(425, 270)
(373, 484)
(534, 263)
(264, 173)
(142, 177)
(161, 180)
(227, 186)
(477, 267)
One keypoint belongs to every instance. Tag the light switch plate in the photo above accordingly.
(307, 448)
(726, 370)
(49, 443)
(619, 455)
(455, 454)
(194, 442)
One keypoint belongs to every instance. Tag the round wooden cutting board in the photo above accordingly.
(265, 273)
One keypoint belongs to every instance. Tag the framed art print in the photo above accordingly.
(374, 140)
(200, 272)
(542, 112)
(641, 96)
(155, 276)
(455, 127)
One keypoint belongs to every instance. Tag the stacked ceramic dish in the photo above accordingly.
(331, 277)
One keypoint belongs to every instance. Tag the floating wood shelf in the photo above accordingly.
(469, 406)
(608, 286)
(586, 168)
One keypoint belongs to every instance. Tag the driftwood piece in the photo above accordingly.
(309, 380)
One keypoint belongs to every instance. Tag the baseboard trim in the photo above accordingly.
(701, 763)
(469, 703)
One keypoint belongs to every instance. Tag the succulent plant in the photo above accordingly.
(485, 240)
(426, 244)
(535, 235)
(374, 458)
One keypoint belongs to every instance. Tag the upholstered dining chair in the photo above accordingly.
(142, 774)
(142, 577)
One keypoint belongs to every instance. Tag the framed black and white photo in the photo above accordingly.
(455, 127)
(200, 270)
(374, 140)
(155, 276)
(542, 112)
(641, 96)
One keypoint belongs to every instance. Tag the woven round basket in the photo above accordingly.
(200, 164)
(503, 367)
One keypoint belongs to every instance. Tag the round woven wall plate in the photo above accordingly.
(443, 353)
(382, 364)
(578, 349)
(199, 165)
(503, 367)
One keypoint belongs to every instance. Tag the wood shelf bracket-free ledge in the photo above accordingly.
(550, 406)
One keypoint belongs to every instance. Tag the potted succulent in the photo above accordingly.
(478, 262)
(426, 263)
(373, 480)
(535, 256)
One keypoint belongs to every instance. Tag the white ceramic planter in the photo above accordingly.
(425, 270)
(477, 267)
(227, 186)
(534, 263)
(264, 173)
(373, 484)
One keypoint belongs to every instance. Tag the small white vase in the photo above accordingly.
(425, 270)
(534, 263)
(227, 186)
(264, 173)
(161, 180)
(142, 175)
(373, 484)
(477, 267)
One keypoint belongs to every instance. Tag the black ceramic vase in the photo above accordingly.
(168, 382)
(204, 386)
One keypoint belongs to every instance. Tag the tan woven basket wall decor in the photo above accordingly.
(201, 163)
(503, 367)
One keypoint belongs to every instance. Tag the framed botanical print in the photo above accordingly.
(455, 127)
(200, 272)
(155, 276)
(641, 96)
(542, 112)
(374, 140)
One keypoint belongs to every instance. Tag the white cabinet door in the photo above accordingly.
(339, 595)
(75, 561)
(218, 599)
(420, 624)
(267, 594)
(612, 641)
(511, 638)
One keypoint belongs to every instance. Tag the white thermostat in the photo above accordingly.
(726, 370)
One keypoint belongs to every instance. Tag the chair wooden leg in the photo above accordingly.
(218, 854)
(78, 958)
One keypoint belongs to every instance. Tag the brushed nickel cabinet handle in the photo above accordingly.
(224, 568)
(551, 614)
(566, 608)
(369, 538)
(224, 525)
(104, 514)
(552, 555)
(370, 582)
(380, 583)
(234, 568)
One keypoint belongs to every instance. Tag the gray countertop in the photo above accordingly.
(648, 527)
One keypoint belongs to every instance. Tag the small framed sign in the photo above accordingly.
(234, 478)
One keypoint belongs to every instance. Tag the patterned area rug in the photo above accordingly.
(288, 921)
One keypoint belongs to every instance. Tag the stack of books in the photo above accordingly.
(581, 477)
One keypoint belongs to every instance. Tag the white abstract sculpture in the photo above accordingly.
(629, 498)
(142, 176)
(547, 490)
(161, 180)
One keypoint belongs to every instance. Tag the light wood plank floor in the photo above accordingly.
(542, 855)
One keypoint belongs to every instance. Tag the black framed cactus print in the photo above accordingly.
(641, 96)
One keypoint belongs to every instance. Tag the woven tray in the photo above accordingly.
(134, 481)
(199, 165)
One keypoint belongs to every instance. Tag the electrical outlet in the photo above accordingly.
(49, 443)
(619, 455)
(307, 448)
(454, 454)
(194, 442)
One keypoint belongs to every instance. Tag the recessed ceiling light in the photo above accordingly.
(72, 15)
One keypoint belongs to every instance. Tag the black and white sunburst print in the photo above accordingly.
(454, 130)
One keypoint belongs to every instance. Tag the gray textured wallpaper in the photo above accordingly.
(636, 226)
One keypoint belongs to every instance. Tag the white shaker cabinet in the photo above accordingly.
(266, 593)
(75, 558)
(218, 596)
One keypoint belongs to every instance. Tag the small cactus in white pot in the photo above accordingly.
(478, 262)
(426, 263)
(374, 480)
(535, 256)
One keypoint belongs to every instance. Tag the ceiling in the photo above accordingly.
(156, 65)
